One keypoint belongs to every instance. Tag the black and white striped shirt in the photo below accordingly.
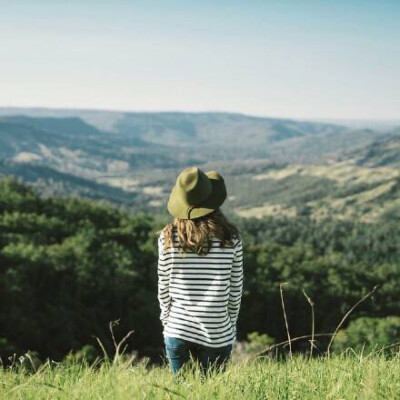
(200, 295)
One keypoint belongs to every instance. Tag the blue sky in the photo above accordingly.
(298, 59)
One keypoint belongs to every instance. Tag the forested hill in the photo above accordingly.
(384, 152)
(68, 267)
(272, 166)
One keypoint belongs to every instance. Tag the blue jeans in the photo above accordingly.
(178, 352)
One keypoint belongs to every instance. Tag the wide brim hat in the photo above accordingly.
(196, 193)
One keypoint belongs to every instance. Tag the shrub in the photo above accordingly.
(370, 333)
(87, 353)
(258, 342)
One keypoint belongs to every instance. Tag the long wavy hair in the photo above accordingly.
(194, 235)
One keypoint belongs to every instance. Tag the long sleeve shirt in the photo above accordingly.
(200, 295)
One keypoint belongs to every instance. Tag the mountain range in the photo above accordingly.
(132, 158)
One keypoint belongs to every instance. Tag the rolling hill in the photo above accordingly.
(384, 152)
(272, 166)
(213, 136)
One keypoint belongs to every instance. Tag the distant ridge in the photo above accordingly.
(132, 159)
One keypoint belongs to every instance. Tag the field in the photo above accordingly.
(345, 376)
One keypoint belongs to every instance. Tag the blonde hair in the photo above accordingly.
(196, 234)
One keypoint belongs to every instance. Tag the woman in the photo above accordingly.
(200, 273)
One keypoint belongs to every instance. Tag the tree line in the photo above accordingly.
(69, 266)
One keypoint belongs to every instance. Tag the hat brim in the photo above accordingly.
(180, 209)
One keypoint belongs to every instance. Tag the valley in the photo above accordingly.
(271, 166)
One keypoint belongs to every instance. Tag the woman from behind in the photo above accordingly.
(200, 273)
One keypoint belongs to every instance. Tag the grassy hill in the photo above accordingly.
(342, 190)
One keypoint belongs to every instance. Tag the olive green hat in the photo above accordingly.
(196, 193)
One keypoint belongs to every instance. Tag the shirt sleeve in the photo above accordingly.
(163, 271)
(236, 284)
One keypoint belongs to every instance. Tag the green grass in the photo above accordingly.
(339, 377)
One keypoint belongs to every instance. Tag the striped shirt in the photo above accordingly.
(200, 295)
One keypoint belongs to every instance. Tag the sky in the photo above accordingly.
(292, 59)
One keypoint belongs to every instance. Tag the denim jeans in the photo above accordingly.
(178, 352)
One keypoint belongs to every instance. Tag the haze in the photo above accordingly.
(297, 59)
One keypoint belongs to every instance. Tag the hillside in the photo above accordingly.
(340, 190)
(272, 166)
(69, 267)
(215, 136)
(384, 152)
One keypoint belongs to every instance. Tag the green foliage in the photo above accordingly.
(258, 342)
(370, 334)
(336, 263)
(87, 354)
(68, 267)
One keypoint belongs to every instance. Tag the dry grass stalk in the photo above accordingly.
(312, 342)
(117, 346)
(346, 315)
(286, 320)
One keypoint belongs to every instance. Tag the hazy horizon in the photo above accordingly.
(355, 121)
(297, 60)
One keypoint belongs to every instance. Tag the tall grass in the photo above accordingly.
(345, 376)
